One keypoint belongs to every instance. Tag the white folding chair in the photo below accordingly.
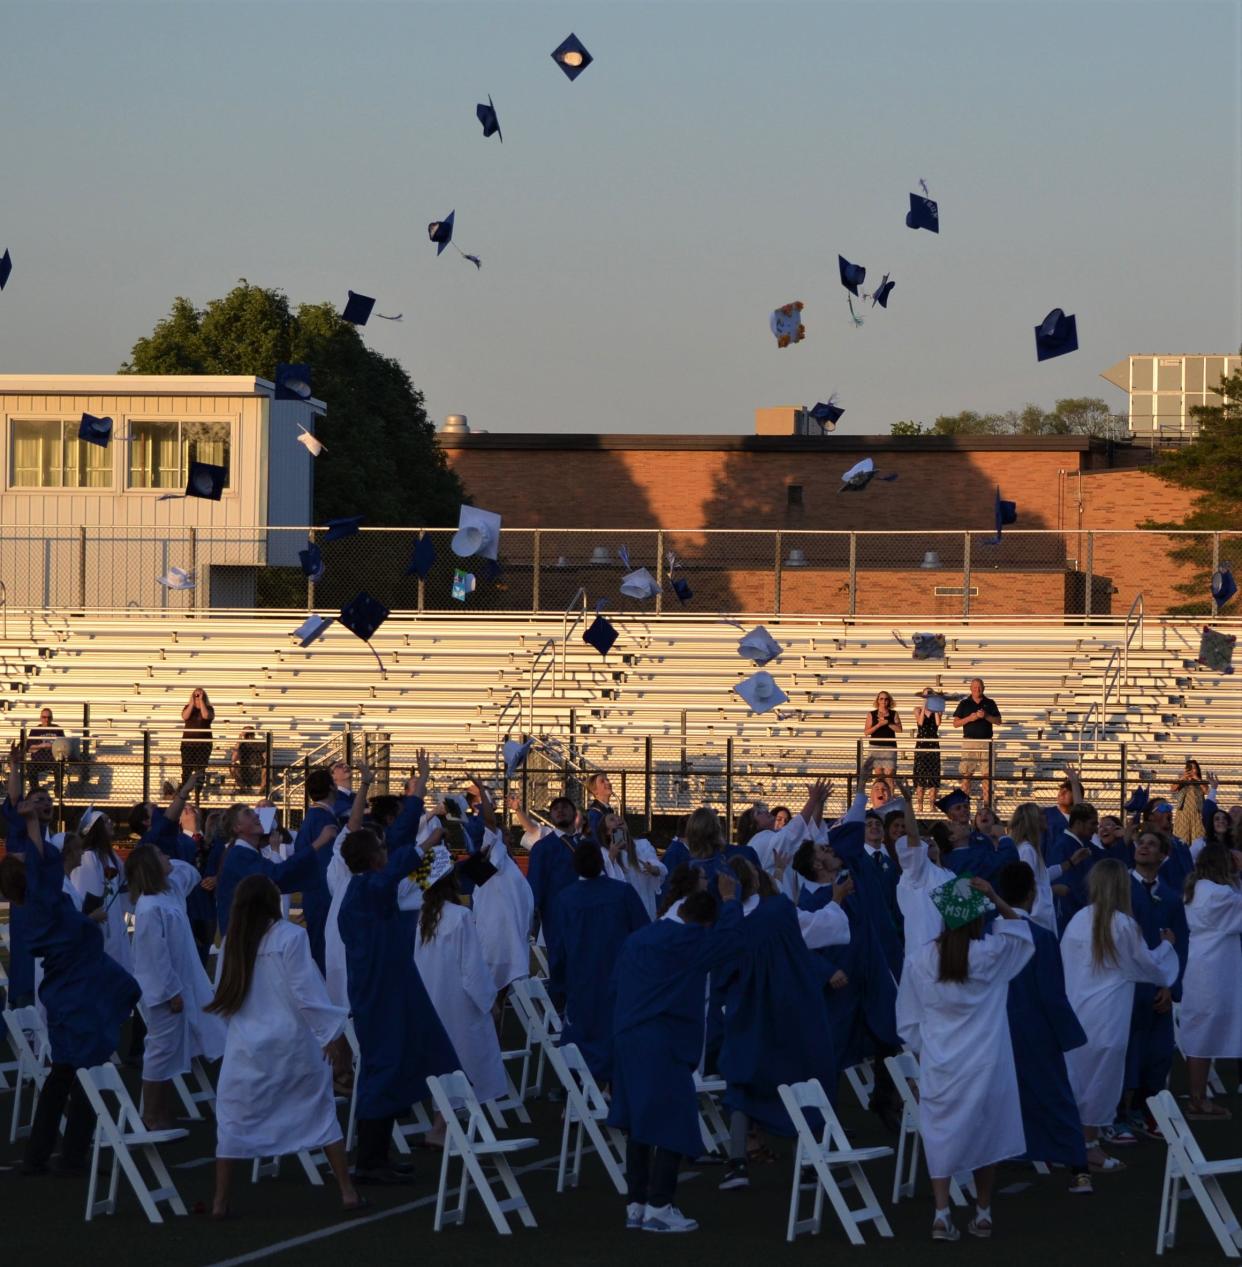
(402, 1132)
(472, 1141)
(904, 1071)
(1185, 1163)
(542, 1023)
(861, 1078)
(824, 1154)
(202, 1093)
(541, 960)
(712, 1125)
(125, 1135)
(586, 1114)
(28, 1039)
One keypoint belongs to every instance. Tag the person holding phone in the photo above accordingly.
(197, 715)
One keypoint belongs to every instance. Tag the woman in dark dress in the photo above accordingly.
(882, 728)
(198, 715)
(926, 755)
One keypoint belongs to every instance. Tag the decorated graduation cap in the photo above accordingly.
(95, 430)
(827, 413)
(486, 115)
(312, 629)
(1224, 587)
(639, 584)
(951, 799)
(441, 864)
(310, 442)
(441, 233)
(860, 475)
(1138, 800)
(761, 692)
(786, 324)
(362, 616)
(341, 528)
(600, 634)
(476, 868)
(478, 532)
(1056, 335)
(571, 56)
(358, 310)
(1005, 514)
(515, 754)
(312, 562)
(6, 267)
(881, 293)
(422, 559)
(959, 902)
(293, 382)
(759, 645)
(464, 584)
(177, 579)
(1216, 650)
(923, 213)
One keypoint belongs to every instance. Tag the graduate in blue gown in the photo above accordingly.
(400, 1037)
(21, 988)
(1083, 822)
(322, 792)
(1043, 1027)
(658, 1034)
(594, 915)
(86, 994)
(551, 869)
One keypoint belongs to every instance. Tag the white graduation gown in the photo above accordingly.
(463, 990)
(503, 910)
(333, 947)
(645, 885)
(88, 878)
(166, 963)
(1211, 1014)
(275, 1096)
(783, 843)
(969, 1113)
(279, 853)
(920, 877)
(1103, 999)
(1044, 912)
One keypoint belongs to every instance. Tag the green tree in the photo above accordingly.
(1072, 416)
(381, 458)
(968, 423)
(1212, 465)
(908, 427)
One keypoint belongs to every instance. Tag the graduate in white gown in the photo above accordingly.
(1104, 955)
(1211, 1019)
(100, 879)
(503, 907)
(338, 882)
(451, 964)
(921, 876)
(274, 1096)
(175, 986)
(633, 861)
(953, 1013)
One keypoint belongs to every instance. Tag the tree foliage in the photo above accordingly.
(381, 458)
(1076, 415)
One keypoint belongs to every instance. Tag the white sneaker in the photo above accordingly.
(634, 1215)
(667, 1219)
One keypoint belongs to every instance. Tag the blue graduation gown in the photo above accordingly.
(595, 917)
(1149, 1053)
(979, 857)
(551, 869)
(775, 1023)
(1055, 822)
(342, 803)
(87, 995)
(240, 860)
(316, 899)
(1043, 1027)
(400, 1037)
(1177, 866)
(658, 1029)
(1075, 879)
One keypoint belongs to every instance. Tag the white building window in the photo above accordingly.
(160, 452)
(48, 454)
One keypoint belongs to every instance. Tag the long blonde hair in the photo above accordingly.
(704, 837)
(1108, 887)
(1026, 826)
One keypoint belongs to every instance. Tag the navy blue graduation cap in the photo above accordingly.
(860, 475)
(1056, 335)
(441, 233)
(362, 616)
(293, 382)
(312, 562)
(421, 560)
(206, 481)
(923, 214)
(1138, 800)
(882, 293)
(1224, 587)
(852, 275)
(571, 56)
(486, 115)
(358, 310)
(6, 267)
(95, 430)
(826, 414)
(956, 797)
(600, 635)
(1006, 513)
(338, 528)
(682, 590)
(476, 868)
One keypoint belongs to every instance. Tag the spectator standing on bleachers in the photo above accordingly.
(1189, 793)
(39, 753)
(249, 761)
(926, 753)
(198, 716)
(977, 715)
(881, 728)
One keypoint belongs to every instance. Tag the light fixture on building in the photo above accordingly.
(930, 560)
(796, 559)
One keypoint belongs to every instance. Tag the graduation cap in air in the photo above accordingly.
(959, 903)
(786, 324)
(312, 562)
(515, 755)
(923, 214)
(1138, 800)
(339, 528)
(422, 559)
(177, 579)
(1216, 650)
(486, 115)
(463, 585)
(600, 634)
(358, 310)
(639, 584)
(362, 616)
(928, 646)
(761, 692)
(441, 233)
(759, 646)
(881, 293)
(852, 276)
(312, 629)
(206, 481)
(826, 413)
(1224, 587)
(293, 382)
(860, 475)
(476, 868)
(950, 799)
(95, 430)
(478, 532)
(1056, 335)
(310, 442)
(1005, 514)
(571, 56)
(680, 587)
(6, 267)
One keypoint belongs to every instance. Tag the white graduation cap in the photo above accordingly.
(515, 755)
(761, 692)
(478, 532)
(310, 442)
(312, 629)
(860, 472)
(267, 818)
(759, 646)
(177, 579)
(639, 584)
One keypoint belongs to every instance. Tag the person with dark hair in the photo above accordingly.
(683, 881)
(342, 788)
(550, 871)
(400, 1038)
(249, 762)
(198, 715)
(657, 1037)
(632, 860)
(1079, 835)
(321, 791)
(274, 1096)
(85, 994)
(1211, 1025)
(1043, 1027)
(952, 1013)
(175, 986)
(594, 917)
(100, 881)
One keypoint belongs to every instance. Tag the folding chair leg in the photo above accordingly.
(187, 1099)
(167, 1190)
(517, 1198)
(442, 1193)
(791, 1224)
(563, 1165)
(828, 1182)
(1217, 1211)
(311, 1168)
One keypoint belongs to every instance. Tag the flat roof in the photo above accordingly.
(140, 385)
(772, 444)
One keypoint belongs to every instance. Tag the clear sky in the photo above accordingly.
(637, 226)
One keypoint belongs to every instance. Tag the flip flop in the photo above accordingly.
(1208, 1112)
(1109, 1165)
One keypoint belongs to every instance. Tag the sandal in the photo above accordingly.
(1207, 1111)
(1110, 1165)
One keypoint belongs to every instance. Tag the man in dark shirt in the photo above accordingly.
(976, 715)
